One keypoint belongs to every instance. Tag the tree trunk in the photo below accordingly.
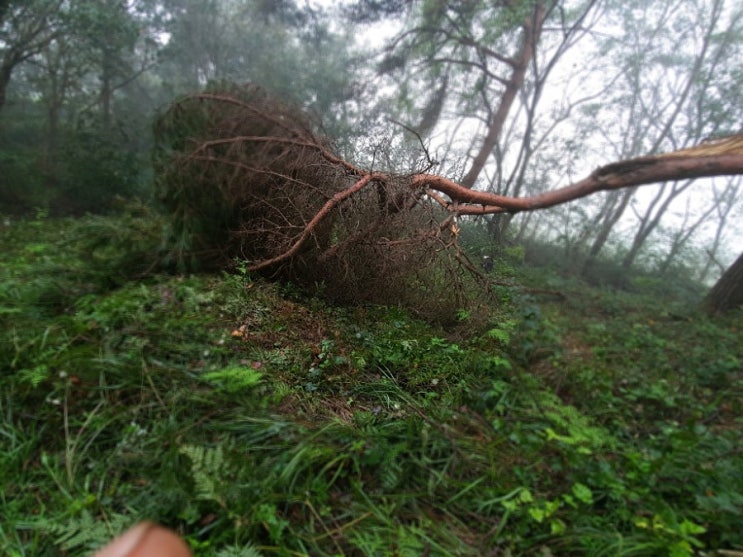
(727, 294)
(106, 90)
(5, 72)
(724, 204)
(612, 216)
(532, 32)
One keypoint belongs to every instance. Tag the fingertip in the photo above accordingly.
(161, 542)
(146, 540)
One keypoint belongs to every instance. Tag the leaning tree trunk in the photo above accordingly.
(727, 293)
(532, 27)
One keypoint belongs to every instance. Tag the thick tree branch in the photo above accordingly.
(623, 174)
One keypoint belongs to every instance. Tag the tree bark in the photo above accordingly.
(697, 162)
(727, 293)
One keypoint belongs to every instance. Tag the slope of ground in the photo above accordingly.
(255, 420)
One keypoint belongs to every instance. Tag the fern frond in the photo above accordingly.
(84, 531)
(248, 550)
(208, 468)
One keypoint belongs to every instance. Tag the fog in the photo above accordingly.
(393, 83)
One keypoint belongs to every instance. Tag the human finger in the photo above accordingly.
(146, 540)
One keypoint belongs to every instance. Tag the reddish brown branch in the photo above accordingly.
(623, 174)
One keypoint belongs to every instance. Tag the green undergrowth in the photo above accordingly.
(255, 420)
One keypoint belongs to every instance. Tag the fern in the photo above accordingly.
(208, 469)
(390, 472)
(83, 532)
(35, 376)
(234, 379)
(248, 550)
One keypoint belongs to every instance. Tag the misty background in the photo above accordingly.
(394, 83)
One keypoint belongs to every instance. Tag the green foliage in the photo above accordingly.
(234, 379)
(607, 271)
(24, 187)
(247, 550)
(94, 171)
(209, 472)
(600, 425)
(85, 532)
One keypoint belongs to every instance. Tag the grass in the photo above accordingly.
(255, 420)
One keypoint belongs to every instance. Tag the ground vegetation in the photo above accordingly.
(257, 420)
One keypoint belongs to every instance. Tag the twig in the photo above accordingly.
(310, 227)
(429, 160)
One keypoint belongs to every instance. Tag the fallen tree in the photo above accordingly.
(247, 176)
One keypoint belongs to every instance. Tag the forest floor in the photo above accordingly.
(254, 419)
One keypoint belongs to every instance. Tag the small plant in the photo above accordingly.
(234, 379)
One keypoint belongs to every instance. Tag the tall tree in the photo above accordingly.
(26, 28)
(491, 52)
(93, 49)
(114, 46)
(716, 41)
(279, 45)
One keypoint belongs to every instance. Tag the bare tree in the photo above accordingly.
(670, 83)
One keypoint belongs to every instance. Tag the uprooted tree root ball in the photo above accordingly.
(245, 176)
